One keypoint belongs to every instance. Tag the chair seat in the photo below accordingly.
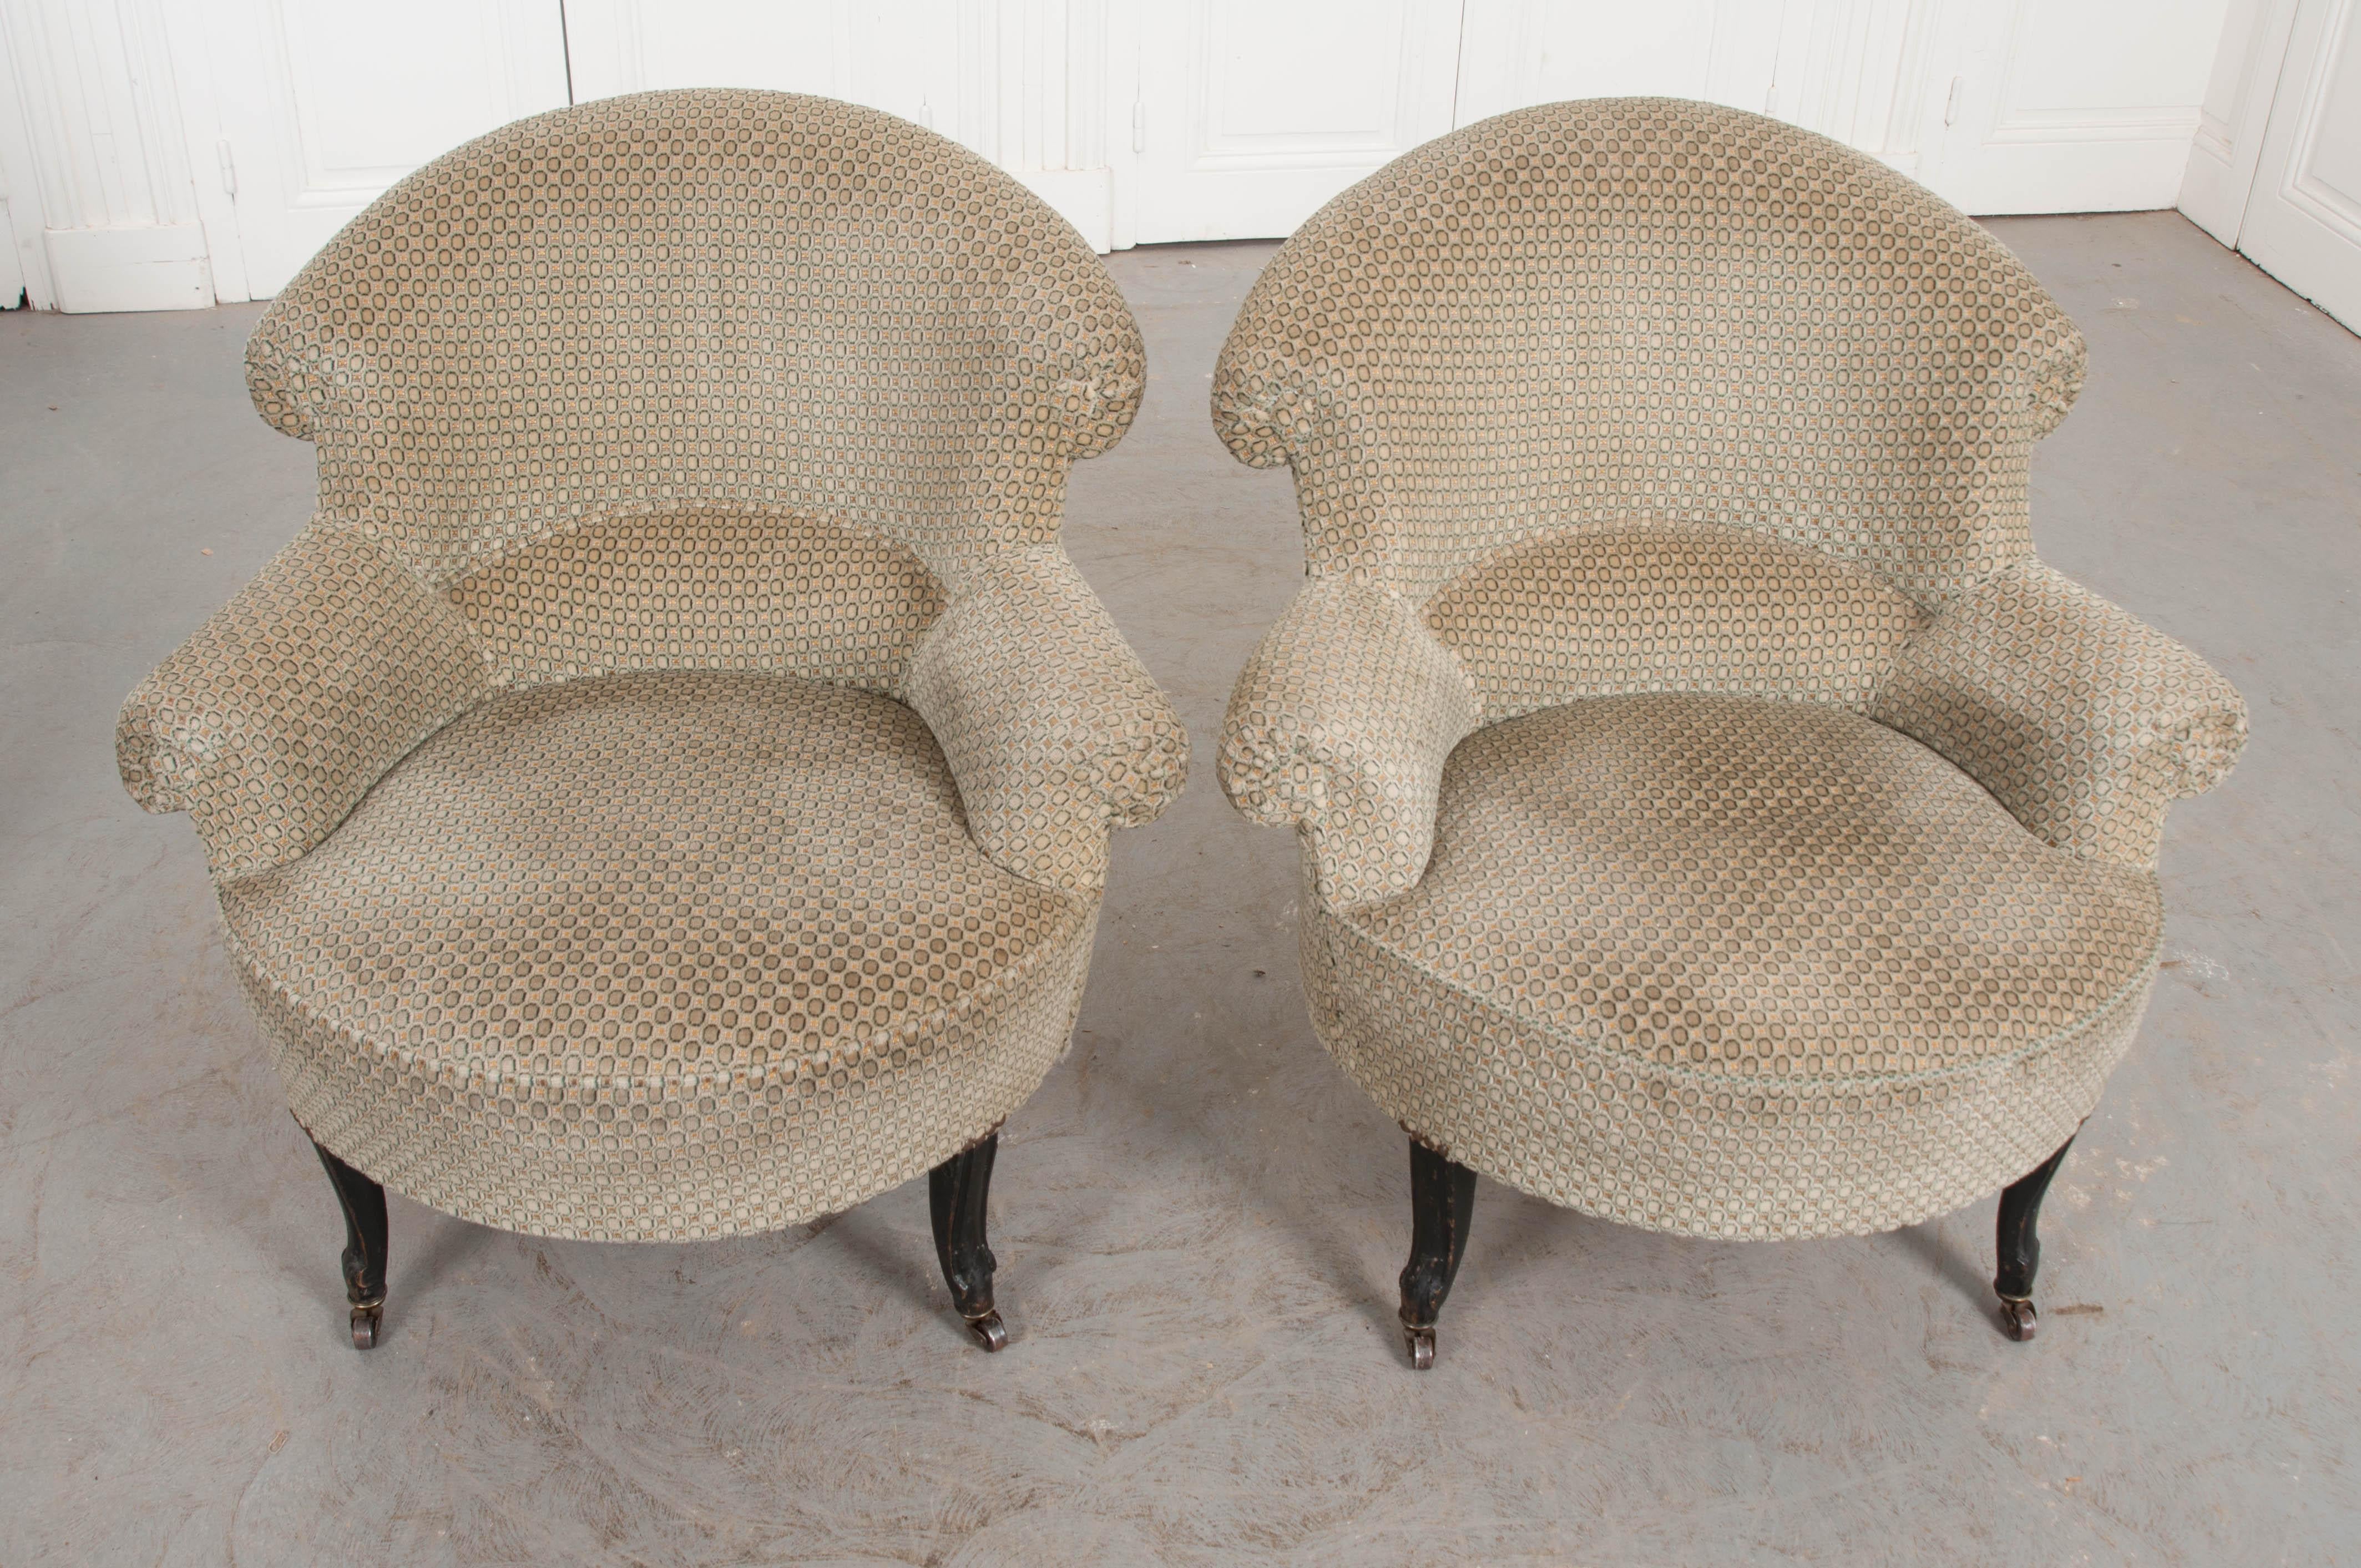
(659, 956)
(1738, 966)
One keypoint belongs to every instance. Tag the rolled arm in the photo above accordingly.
(2086, 723)
(270, 723)
(1096, 369)
(1052, 727)
(1273, 405)
(1340, 725)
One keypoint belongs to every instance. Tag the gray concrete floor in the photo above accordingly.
(1199, 1219)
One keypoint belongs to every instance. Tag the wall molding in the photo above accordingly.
(2071, 126)
(118, 116)
(2219, 176)
(2328, 206)
(103, 160)
(1033, 99)
(154, 267)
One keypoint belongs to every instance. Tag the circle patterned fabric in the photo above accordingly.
(712, 297)
(1604, 610)
(1628, 414)
(703, 589)
(1771, 904)
(659, 957)
(763, 398)
(1644, 307)
(270, 723)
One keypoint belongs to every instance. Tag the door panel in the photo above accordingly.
(1853, 69)
(1533, 51)
(1217, 120)
(896, 56)
(1251, 116)
(2230, 123)
(2302, 222)
(1016, 81)
(323, 104)
(2071, 105)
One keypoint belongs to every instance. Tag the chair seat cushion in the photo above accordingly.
(659, 956)
(1737, 966)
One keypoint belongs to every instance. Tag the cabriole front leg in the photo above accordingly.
(2020, 1246)
(363, 1202)
(1441, 1201)
(956, 1191)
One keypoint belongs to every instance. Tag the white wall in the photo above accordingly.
(311, 108)
(101, 205)
(2230, 118)
(2276, 167)
(161, 153)
(1999, 105)
(2074, 105)
(1021, 82)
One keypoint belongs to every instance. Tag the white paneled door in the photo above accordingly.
(1535, 51)
(2069, 106)
(895, 56)
(1251, 115)
(2302, 221)
(1020, 82)
(318, 105)
(161, 153)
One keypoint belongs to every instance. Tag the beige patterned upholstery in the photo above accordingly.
(1715, 818)
(664, 793)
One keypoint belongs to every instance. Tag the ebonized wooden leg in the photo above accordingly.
(363, 1202)
(955, 1195)
(1441, 1201)
(2020, 1246)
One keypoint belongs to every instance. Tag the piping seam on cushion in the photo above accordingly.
(1814, 1084)
(439, 1069)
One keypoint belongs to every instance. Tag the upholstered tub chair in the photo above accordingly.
(664, 792)
(1714, 817)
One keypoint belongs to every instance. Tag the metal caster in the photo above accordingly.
(363, 1202)
(989, 1331)
(955, 1195)
(2018, 1247)
(367, 1317)
(1441, 1201)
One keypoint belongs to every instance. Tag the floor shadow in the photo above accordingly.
(1946, 1262)
(442, 1244)
(1520, 1231)
(884, 1256)
(1305, 1199)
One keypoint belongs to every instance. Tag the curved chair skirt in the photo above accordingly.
(1714, 1155)
(679, 1160)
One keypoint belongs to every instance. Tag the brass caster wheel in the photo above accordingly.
(1422, 1346)
(367, 1317)
(2017, 1318)
(989, 1331)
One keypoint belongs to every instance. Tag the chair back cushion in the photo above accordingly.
(1609, 610)
(704, 588)
(724, 298)
(1618, 309)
